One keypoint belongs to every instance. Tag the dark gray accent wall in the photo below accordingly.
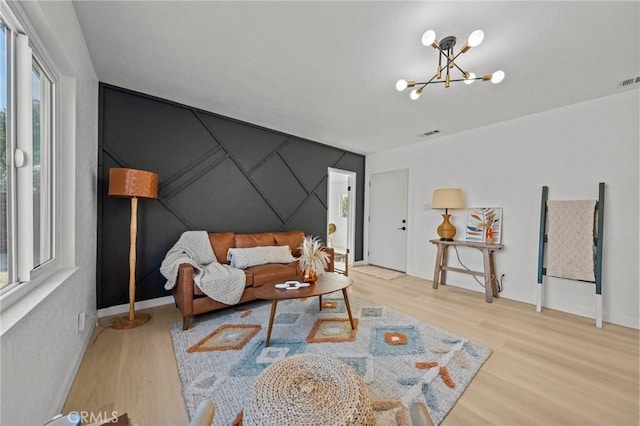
(215, 174)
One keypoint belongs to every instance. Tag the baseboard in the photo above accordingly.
(144, 304)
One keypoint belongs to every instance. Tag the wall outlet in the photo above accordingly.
(82, 321)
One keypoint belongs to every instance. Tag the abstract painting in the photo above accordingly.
(479, 219)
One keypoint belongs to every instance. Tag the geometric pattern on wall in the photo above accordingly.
(215, 174)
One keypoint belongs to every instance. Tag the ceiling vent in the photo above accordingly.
(628, 82)
(432, 132)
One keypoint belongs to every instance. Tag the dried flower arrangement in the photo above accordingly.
(313, 259)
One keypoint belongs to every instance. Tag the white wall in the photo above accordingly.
(569, 149)
(42, 350)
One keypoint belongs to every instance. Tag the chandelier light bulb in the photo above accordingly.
(497, 77)
(414, 94)
(428, 38)
(475, 38)
(401, 85)
(470, 79)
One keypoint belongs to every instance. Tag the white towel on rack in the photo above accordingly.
(570, 247)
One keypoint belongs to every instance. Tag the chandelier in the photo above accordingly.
(446, 56)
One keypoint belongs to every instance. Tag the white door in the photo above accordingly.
(388, 219)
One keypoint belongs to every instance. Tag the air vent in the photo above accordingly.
(432, 132)
(628, 82)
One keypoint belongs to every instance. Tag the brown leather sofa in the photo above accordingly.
(192, 301)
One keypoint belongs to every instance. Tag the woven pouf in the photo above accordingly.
(309, 389)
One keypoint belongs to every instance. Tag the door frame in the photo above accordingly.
(353, 196)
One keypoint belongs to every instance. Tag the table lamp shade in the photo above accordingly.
(447, 198)
(133, 183)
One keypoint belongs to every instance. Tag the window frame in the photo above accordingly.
(21, 284)
(48, 152)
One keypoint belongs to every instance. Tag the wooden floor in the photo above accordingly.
(547, 368)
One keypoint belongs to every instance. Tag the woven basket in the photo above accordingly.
(309, 389)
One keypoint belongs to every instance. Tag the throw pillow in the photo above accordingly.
(245, 257)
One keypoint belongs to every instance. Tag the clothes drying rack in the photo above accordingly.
(597, 241)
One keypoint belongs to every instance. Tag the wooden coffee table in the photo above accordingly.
(327, 283)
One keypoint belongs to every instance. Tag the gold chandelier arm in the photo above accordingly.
(456, 65)
(453, 80)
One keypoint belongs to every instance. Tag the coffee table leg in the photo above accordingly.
(346, 302)
(320, 302)
(274, 304)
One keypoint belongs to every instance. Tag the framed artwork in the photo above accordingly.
(479, 219)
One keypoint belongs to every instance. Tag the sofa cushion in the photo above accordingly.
(221, 243)
(245, 257)
(255, 240)
(291, 238)
(273, 273)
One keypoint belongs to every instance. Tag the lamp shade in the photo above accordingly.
(447, 198)
(133, 183)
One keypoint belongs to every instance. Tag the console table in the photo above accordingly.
(489, 273)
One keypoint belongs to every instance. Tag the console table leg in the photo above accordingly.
(494, 277)
(444, 262)
(487, 276)
(274, 304)
(438, 268)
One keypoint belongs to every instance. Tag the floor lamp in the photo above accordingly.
(134, 184)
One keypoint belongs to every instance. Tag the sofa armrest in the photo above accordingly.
(183, 290)
(331, 263)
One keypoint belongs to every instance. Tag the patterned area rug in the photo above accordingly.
(401, 359)
(378, 272)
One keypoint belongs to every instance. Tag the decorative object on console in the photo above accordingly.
(134, 184)
(313, 259)
(484, 223)
(445, 49)
(447, 198)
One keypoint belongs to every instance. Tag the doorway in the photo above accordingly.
(341, 212)
(388, 219)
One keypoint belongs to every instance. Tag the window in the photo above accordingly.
(27, 130)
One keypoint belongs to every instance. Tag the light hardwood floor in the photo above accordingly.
(548, 368)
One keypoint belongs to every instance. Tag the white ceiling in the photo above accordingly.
(326, 71)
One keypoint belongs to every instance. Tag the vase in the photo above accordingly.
(489, 238)
(310, 276)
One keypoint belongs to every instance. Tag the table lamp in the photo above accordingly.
(134, 184)
(447, 198)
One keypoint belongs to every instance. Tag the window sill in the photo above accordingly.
(18, 302)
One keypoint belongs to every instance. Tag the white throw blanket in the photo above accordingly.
(570, 249)
(221, 283)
